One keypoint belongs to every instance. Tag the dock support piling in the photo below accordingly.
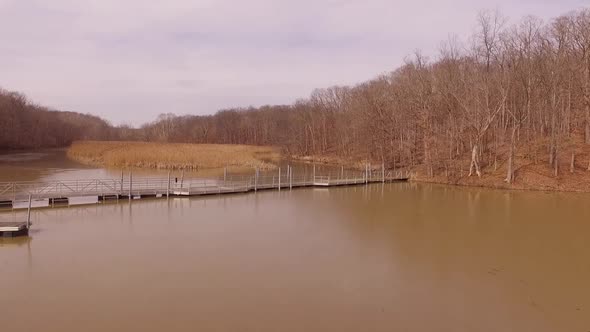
(29, 212)
(168, 186)
(256, 179)
(181, 179)
(383, 172)
(290, 178)
(130, 184)
(279, 179)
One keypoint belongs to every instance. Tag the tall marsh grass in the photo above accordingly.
(172, 155)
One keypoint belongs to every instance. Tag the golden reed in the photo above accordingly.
(172, 155)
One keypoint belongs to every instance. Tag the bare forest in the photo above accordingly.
(24, 125)
(510, 96)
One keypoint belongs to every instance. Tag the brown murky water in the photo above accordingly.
(53, 165)
(394, 257)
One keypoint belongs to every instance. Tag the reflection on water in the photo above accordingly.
(394, 257)
(22, 157)
(15, 241)
(53, 164)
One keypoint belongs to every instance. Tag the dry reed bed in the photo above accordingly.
(172, 155)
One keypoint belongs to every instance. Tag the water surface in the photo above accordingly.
(53, 165)
(393, 257)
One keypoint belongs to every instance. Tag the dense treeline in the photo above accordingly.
(511, 93)
(520, 89)
(24, 125)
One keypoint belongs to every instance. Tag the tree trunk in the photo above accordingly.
(510, 171)
(474, 165)
(587, 101)
(555, 163)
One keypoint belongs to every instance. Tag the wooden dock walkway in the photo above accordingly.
(15, 195)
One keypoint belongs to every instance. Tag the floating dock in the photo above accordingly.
(22, 195)
(13, 229)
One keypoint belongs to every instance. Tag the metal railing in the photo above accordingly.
(129, 187)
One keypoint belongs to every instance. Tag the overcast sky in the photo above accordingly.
(130, 60)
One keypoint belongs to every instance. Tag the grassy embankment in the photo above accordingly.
(172, 155)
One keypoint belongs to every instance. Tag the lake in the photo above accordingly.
(53, 165)
(383, 257)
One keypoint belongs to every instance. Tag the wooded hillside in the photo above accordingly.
(25, 125)
(511, 89)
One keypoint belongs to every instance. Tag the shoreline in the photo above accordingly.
(530, 177)
(500, 187)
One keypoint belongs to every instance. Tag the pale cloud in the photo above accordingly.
(131, 60)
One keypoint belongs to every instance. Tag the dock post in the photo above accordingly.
(342, 172)
(224, 175)
(279, 179)
(313, 181)
(121, 182)
(255, 179)
(290, 178)
(29, 212)
(181, 179)
(383, 172)
(168, 186)
(130, 184)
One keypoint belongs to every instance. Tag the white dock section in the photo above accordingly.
(13, 229)
(82, 200)
(35, 203)
(12, 226)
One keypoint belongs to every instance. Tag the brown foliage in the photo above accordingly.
(24, 125)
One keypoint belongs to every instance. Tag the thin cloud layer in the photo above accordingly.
(129, 61)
